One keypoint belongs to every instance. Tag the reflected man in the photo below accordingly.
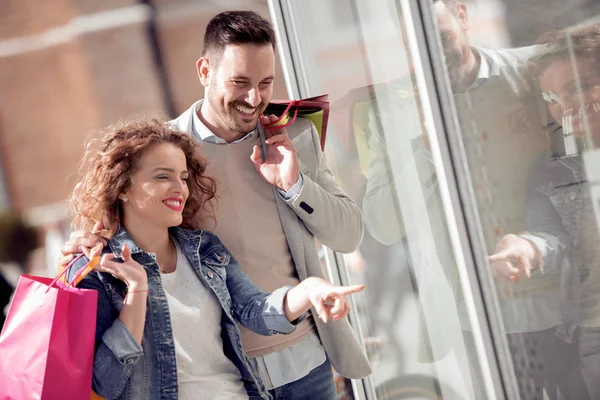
(403, 200)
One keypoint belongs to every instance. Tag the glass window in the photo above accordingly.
(413, 315)
(529, 119)
(520, 97)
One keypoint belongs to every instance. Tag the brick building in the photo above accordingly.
(69, 66)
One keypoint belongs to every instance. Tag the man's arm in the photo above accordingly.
(326, 210)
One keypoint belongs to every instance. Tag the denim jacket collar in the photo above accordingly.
(122, 237)
(209, 259)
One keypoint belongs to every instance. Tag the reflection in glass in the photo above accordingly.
(378, 146)
(528, 123)
(563, 233)
(528, 120)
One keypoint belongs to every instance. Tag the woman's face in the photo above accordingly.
(573, 96)
(159, 188)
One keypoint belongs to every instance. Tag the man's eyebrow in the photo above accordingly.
(245, 78)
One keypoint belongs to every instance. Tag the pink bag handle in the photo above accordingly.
(287, 109)
(64, 271)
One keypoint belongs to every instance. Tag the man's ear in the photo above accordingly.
(204, 71)
(462, 15)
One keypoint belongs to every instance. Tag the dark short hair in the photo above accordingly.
(236, 27)
(450, 4)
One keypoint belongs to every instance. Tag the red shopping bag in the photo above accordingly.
(47, 343)
(315, 109)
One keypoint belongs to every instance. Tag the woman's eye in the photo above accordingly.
(185, 178)
(162, 177)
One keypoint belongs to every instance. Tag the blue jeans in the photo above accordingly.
(317, 385)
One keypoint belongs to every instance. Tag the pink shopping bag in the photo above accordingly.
(47, 343)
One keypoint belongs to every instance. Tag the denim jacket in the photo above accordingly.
(557, 193)
(125, 370)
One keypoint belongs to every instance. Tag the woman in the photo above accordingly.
(169, 296)
(563, 235)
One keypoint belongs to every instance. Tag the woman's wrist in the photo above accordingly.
(137, 287)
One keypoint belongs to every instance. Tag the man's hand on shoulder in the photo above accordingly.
(81, 241)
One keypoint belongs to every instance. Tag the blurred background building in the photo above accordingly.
(70, 66)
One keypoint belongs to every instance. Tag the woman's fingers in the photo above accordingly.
(344, 313)
(100, 268)
(86, 251)
(500, 256)
(107, 261)
(320, 308)
(96, 250)
(126, 253)
(65, 260)
(98, 226)
(338, 306)
(508, 271)
(524, 265)
(346, 290)
(80, 239)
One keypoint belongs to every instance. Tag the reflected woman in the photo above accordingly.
(169, 296)
(563, 236)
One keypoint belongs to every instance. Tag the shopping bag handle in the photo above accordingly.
(284, 113)
(64, 271)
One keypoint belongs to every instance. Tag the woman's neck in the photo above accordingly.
(154, 240)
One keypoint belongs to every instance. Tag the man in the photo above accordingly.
(276, 195)
(499, 152)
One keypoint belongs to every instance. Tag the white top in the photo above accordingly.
(203, 370)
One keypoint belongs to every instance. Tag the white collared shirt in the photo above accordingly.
(483, 74)
(206, 135)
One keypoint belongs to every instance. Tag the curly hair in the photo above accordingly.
(108, 165)
(581, 43)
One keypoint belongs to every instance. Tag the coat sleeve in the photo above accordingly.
(326, 210)
(261, 312)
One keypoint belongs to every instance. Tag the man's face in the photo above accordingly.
(238, 87)
(453, 32)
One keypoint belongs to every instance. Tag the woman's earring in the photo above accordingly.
(124, 199)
